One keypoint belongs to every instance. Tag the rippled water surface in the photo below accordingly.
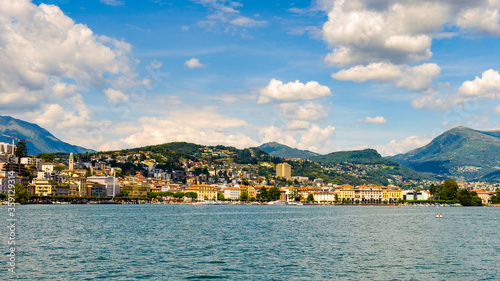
(181, 242)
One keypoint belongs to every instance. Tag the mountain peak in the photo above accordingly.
(280, 150)
(45, 141)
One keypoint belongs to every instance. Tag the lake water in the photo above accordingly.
(182, 242)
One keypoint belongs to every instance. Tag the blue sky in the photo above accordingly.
(317, 75)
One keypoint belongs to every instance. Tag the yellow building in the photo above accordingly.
(284, 170)
(139, 189)
(391, 193)
(345, 193)
(45, 187)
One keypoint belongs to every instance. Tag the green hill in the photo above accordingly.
(46, 142)
(461, 153)
(280, 150)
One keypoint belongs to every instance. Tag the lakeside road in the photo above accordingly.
(178, 242)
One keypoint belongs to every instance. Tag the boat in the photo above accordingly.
(439, 216)
(278, 202)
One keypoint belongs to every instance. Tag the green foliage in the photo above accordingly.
(366, 156)
(58, 168)
(21, 149)
(273, 194)
(468, 198)
(191, 194)
(262, 194)
(310, 198)
(243, 196)
(220, 196)
(3, 196)
(495, 199)
(178, 195)
(21, 194)
(47, 157)
(123, 193)
(449, 190)
(479, 151)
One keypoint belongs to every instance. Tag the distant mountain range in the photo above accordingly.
(460, 153)
(45, 141)
(280, 150)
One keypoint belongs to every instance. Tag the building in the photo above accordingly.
(485, 197)
(232, 192)
(345, 193)
(71, 162)
(45, 187)
(109, 182)
(138, 189)
(323, 196)
(6, 147)
(95, 189)
(284, 170)
(37, 162)
(391, 194)
(4, 181)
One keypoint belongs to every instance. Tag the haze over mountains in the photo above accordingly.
(45, 141)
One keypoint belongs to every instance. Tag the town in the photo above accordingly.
(193, 173)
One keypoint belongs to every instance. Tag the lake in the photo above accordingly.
(184, 242)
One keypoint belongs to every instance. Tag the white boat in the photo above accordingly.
(278, 202)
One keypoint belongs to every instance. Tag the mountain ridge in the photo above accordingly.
(280, 150)
(45, 141)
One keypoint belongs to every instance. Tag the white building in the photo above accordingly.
(5, 147)
(108, 182)
(32, 161)
(232, 192)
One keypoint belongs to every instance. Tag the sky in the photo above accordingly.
(318, 75)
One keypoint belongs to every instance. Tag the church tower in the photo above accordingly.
(71, 162)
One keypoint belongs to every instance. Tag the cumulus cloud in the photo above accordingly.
(298, 125)
(115, 96)
(488, 86)
(376, 120)
(395, 147)
(415, 78)
(201, 125)
(311, 137)
(480, 20)
(292, 91)
(194, 63)
(399, 32)
(309, 112)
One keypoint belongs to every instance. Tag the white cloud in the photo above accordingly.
(292, 91)
(309, 112)
(41, 46)
(224, 15)
(115, 97)
(155, 64)
(480, 20)
(194, 63)
(112, 2)
(376, 120)
(297, 125)
(247, 22)
(399, 32)
(402, 146)
(197, 125)
(415, 78)
(488, 86)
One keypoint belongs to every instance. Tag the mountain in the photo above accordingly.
(368, 166)
(46, 142)
(461, 153)
(280, 150)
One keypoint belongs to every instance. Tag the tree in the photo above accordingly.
(179, 195)
(449, 190)
(123, 193)
(3, 196)
(21, 149)
(220, 196)
(47, 157)
(273, 194)
(495, 199)
(310, 198)
(243, 196)
(262, 194)
(21, 193)
(467, 198)
(191, 194)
